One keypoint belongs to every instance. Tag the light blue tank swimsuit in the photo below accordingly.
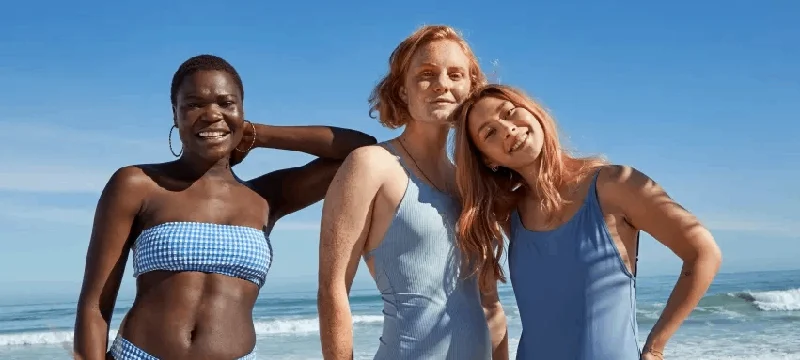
(430, 311)
(235, 251)
(576, 297)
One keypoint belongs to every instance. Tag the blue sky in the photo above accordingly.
(702, 97)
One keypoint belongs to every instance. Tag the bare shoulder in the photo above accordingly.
(132, 178)
(368, 164)
(626, 189)
(129, 184)
(615, 178)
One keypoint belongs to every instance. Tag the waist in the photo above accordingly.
(191, 313)
(435, 312)
(433, 332)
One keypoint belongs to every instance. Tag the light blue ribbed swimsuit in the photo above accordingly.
(576, 297)
(430, 311)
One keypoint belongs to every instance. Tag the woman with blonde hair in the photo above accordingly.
(573, 228)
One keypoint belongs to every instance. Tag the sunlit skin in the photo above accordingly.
(508, 135)
(437, 81)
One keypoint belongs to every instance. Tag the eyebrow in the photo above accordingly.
(498, 109)
(429, 64)
(203, 96)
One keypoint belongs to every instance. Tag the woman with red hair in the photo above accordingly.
(573, 226)
(395, 205)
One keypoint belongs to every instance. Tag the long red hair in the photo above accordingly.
(487, 197)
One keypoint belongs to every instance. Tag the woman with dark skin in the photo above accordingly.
(191, 306)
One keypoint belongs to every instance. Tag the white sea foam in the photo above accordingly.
(291, 327)
(779, 300)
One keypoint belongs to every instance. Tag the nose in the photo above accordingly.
(442, 83)
(510, 128)
(211, 114)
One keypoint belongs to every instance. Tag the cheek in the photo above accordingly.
(461, 89)
(491, 152)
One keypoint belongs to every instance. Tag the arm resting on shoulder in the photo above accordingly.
(647, 207)
(293, 189)
(322, 141)
(346, 218)
(106, 256)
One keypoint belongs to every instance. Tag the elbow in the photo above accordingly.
(331, 295)
(497, 323)
(713, 256)
(707, 256)
(496, 317)
(354, 139)
(360, 141)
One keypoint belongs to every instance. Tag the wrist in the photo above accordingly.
(262, 134)
(654, 344)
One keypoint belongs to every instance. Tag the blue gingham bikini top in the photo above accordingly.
(236, 251)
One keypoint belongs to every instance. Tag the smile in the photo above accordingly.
(213, 137)
(212, 134)
(518, 144)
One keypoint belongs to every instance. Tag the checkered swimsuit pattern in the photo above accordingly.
(231, 250)
(123, 349)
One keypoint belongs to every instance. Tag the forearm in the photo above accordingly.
(498, 329)
(91, 336)
(335, 326)
(321, 141)
(696, 277)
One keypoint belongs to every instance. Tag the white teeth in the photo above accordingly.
(519, 143)
(211, 134)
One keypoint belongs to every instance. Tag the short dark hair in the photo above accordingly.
(203, 62)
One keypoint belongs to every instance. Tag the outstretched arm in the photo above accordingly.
(106, 256)
(292, 189)
(647, 207)
(346, 218)
(327, 142)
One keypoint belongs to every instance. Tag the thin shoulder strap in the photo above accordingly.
(596, 197)
(392, 150)
(593, 195)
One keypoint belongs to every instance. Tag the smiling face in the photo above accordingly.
(438, 79)
(208, 113)
(506, 134)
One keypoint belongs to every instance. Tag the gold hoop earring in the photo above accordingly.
(251, 144)
(170, 142)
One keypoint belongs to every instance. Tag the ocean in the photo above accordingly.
(752, 315)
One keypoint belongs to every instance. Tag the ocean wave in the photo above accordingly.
(779, 300)
(301, 326)
(733, 306)
(296, 326)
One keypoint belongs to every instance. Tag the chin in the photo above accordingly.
(213, 155)
(438, 119)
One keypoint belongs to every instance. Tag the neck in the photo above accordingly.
(530, 176)
(427, 143)
(196, 168)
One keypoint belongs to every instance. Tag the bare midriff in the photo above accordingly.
(192, 315)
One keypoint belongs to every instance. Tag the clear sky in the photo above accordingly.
(702, 97)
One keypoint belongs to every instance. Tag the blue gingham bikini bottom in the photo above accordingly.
(123, 349)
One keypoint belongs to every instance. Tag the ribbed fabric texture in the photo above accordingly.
(576, 297)
(430, 312)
